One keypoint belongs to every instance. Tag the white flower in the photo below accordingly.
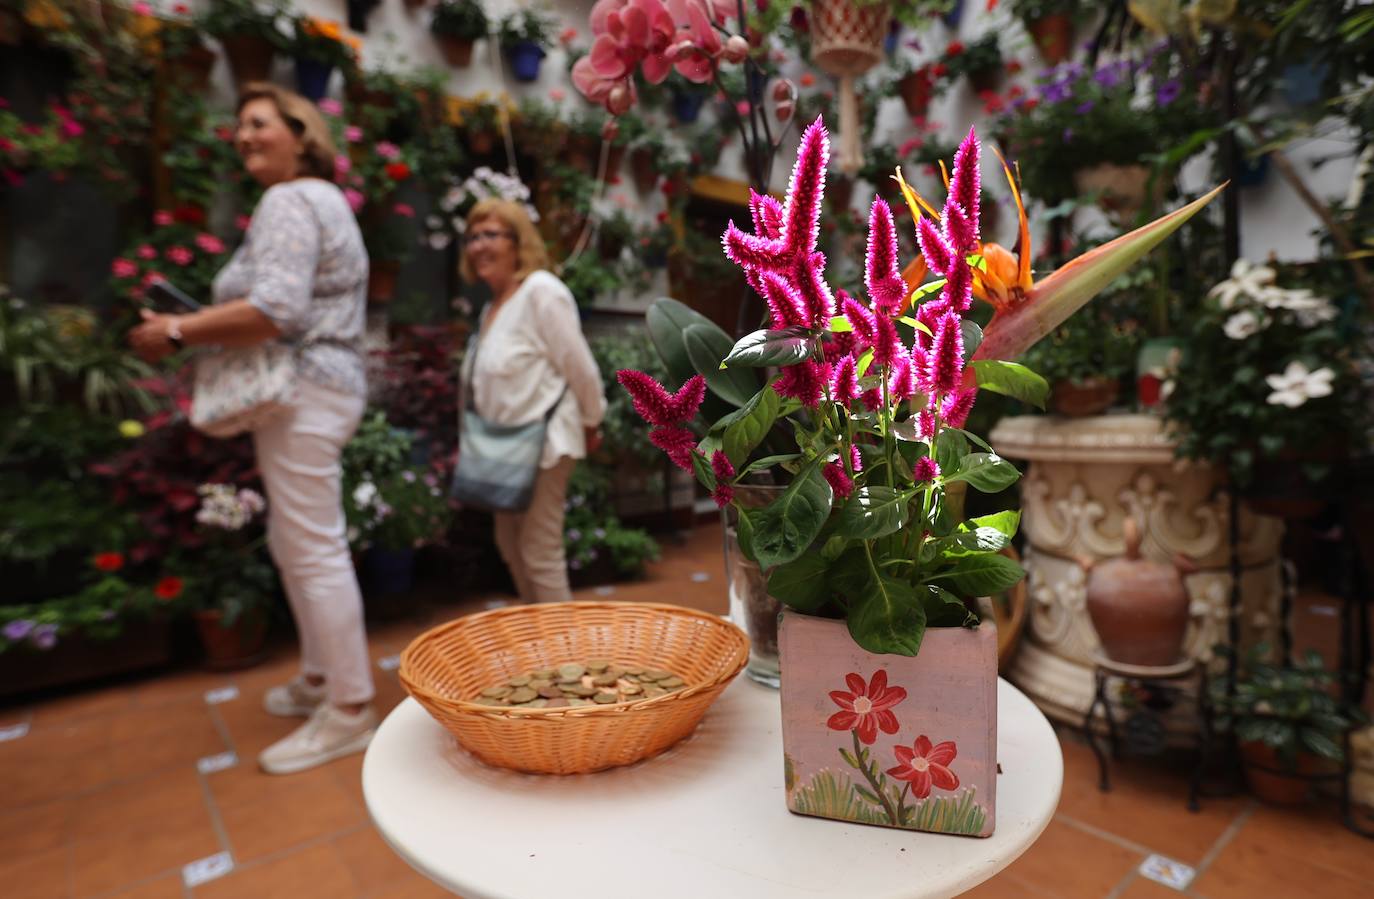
(438, 240)
(1309, 310)
(1247, 280)
(433, 222)
(352, 535)
(364, 494)
(1243, 324)
(252, 501)
(1297, 385)
(408, 476)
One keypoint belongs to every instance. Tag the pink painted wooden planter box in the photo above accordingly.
(889, 739)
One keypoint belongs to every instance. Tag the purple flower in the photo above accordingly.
(1085, 108)
(1168, 92)
(1068, 135)
(18, 629)
(1056, 92)
(44, 636)
(1108, 76)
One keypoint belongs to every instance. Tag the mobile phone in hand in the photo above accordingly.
(166, 294)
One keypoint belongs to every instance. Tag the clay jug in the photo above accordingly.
(1138, 607)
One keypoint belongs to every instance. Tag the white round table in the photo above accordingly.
(705, 819)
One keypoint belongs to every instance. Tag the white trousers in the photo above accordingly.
(531, 542)
(298, 456)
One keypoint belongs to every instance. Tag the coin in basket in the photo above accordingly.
(558, 703)
(656, 674)
(582, 691)
(522, 680)
(596, 666)
(604, 680)
(570, 671)
(523, 694)
(539, 683)
(550, 692)
(545, 673)
(605, 698)
(495, 692)
(671, 683)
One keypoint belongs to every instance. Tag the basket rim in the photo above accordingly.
(423, 694)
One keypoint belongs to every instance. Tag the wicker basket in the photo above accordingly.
(447, 666)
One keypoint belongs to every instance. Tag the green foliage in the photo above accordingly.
(1101, 340)
(982, 55)
(589, 278)
(1290, 708)
(625, 433)
(389, 500)
(829, 795)
(592, 530)
(1033, 10)
(464, 19)
(527, 25)
(233, 17)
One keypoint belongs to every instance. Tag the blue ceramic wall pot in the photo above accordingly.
(525, 57)
(687, 106)
(312, 78)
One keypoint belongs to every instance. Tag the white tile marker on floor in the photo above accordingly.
(1162, 869)
(221, 694)
(212, 763)
(14, 731)
(203, 870)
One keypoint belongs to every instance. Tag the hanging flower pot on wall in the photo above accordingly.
(525, 57)
(892, 740)
(983, 80)
(1053, 36)
(250, 57)
(457, 51)
(312, 78)
(381, 280)
(916, 90)
(1122, 189)
(687, 106)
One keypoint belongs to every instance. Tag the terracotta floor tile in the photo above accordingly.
(67, 758)
(1005, 886)
(348, 773)
(163, 801)
(246, 784)
(373, 863)
(79, 705)
(35, 828)
(1315, 834)
(315, 873)
(1069, 863)
(1146, 805)
(41, 875)
(414, 886)
(285, 817)
(175, 735)
(168, 887)
(181, 686)
(1277, 860)
(1144, 888)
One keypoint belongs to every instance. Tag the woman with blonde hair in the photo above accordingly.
(301, 276)
(529, 359)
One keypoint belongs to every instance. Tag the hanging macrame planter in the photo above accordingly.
(846, 41)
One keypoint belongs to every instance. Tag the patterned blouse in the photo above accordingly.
(303, 265)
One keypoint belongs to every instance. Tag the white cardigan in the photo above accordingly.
(533, 348)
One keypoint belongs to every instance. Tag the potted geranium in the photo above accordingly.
(524, 35)
(867, 544)
(250, 34)
(456, 25)
(980, 62)
(1289, 720)
(229, 583)
(319, 47)
(1050, 24)
(178, 249)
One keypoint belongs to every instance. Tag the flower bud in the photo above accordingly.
(736, 49)
(619, 101)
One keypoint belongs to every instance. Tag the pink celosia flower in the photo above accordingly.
(882, 275)
(679, 443)
(837, 346)
(146, 251)
(964, 184)
(179, 255)
(330, 106)
(925, 424)
(724, 471)
(856, 459)
(805, 381)
(835, 476)
(844, 381)
(863, 322)
(958, 406)
(124, 268)
(784, 302)
(945, 364)
(926, 469)
(935, 247)
(209, 243)
(887, 344)
(901, 384)
(655, 404)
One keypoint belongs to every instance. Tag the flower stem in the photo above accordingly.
(877, 787)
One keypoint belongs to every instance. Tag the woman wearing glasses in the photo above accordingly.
(531, 353)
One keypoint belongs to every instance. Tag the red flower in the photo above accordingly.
(169, 588)
(866, 709)
(954, 48)
(939, 69)
(109, 561)
(397, 171)
(1014, 66)
(924, 764)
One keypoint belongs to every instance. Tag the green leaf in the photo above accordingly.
(985, 574)
(977, 540)
(1007, 522)
(706, 476)
(849, 757)
(785, 528)
(801, 583)
(973, 337)
(950, 449)
(744, 531)
(918, 325)
(848, 575)
(706, 346)
(987, 472)
(840, 325)
(887, 617)
(746, 428)
(944, 609)
(1011, 379)
(1321, 743)
(784, 346)
(769, 462)
(867, 794)
(667, 321)
(873, 512)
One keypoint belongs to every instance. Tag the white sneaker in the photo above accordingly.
(295, 699)
(329, 734)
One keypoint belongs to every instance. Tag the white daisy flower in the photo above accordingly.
(1297, 385)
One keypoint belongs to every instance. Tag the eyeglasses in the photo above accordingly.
(477, 237)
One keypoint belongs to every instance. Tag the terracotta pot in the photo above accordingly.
(985, 79)
(1053, 36)
(643, 170)
(481, 142)
(194, 66)
(839, 189)
(236, 646)
(359, 94)
(1271, 781)
(250, 57)
(951, 697)
(381, 280)
(916, 90)
(1123, 188)
(1138, 607)
(1079, 399)
(457, 51)
(615, 158)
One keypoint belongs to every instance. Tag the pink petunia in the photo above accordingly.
(210, 243)
(353, 134)
(146, 251)
(355, 199)
(124, 268)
